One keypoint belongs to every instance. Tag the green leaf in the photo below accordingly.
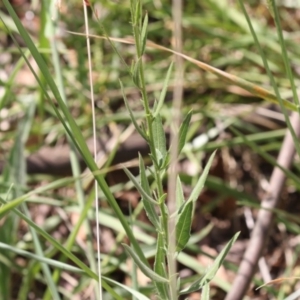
(55, 243)
(183, 130)
(179, 194)
(139, 188)
(136, 74)
(137, 13)
(205, 292)
(144, 34)
(200, 235)
(51, 262)
(162, 199)
(159, 140)
(159, 266)
(164, 212)
(10, 205)
(210, 274)
(133, 292)
(148, 205)
(159, 157)
(163, 92)
(137, 127)
(183, 226)
(146, 270)
(200, 184)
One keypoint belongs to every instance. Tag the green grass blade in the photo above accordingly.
(51, 262)
(20, 180)
(55, 243)
(72, 129)
(287, 66)
(268, 157)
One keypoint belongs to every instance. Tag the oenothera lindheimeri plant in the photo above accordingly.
(152, 130)
(153, 196)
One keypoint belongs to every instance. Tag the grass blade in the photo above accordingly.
(55, 243)
(72, 128)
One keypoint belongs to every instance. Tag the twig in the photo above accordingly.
(265, 216)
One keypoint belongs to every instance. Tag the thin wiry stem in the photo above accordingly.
(94, 143)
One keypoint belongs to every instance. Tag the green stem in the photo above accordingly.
(157, 172)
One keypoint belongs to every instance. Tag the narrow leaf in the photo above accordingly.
(144, 34)
(164, 212)
(220, 258)
(139, 130)
(137, 13)
(146, 270)
(136, 73)
(139, 188)
(200, 184)
(51, 262)
(163, 92)
(148, 205)
(199, 236)
(271, 8)
(55, 243)
(162, 199)
(179, 194)
(183, 130)
(183, 226)
(133, 292)
(159, 266)
(210, 274)
(159, 139)
(8, 206)
(205, 292)
(160, 256)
